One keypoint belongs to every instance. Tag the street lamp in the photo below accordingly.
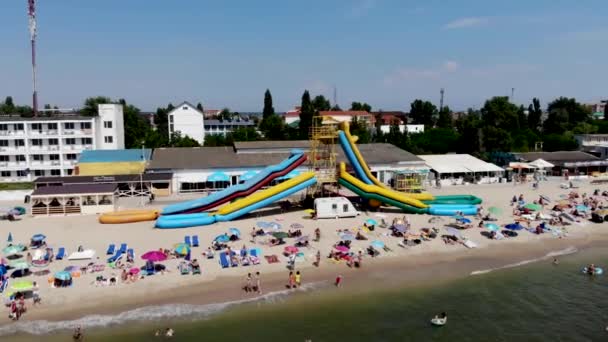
(141, 176)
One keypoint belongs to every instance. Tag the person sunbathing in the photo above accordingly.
(360, 236)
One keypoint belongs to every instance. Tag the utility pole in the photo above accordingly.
(335, 96)
(31, 5)
(512, 94)
(441, 92)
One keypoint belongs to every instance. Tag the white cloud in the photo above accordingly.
(361, 8)
(410, 74)
(466, 22)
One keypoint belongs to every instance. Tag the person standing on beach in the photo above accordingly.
(291, 280)
(338, 281)
(253, 235)
(248, 283)
(258, 282)
(318, 261)
(298, 279)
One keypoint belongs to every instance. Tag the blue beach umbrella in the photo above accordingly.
(222, 238)
(492, 227)
(347, 237)
(262, 224)
(377, 244)
(514, 226)
(10, 237)
(274, 225)
(63, 275)
(371, 221)
(38, 237)
(582, 208)
(182, 249)
(234, 231)
(248, 175)
(464, 220)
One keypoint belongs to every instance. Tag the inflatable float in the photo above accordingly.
(598, 271)
(439, 321)
(129, 216)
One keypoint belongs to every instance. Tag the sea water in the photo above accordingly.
(528, 301)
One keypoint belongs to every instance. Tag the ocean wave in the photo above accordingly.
(147, 313)
(565, 251)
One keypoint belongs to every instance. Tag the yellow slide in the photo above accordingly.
(261, 195)
(129, 216)
(388, 193)
(425, 196)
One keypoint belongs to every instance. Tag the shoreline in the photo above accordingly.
(419, 270)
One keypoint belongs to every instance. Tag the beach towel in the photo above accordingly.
(254, 260)
(272, 259)
(223, 260)
(195, 241)
(60, 253)
(187, 240)
(111, 249)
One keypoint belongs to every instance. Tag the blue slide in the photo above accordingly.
(261, 179)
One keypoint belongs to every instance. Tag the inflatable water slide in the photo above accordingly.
(244, 197)
(368, 187)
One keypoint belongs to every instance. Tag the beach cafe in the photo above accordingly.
(457, 169)
(73, 199)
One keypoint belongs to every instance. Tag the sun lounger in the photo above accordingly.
(223, 259)
(196, 270)
(115, 257)
(111, 249)
(4, 285)
(254, 260)
(60, 253)
(187, 241)
(123, 248)
(195, 241)
(48, 255)
(131, 253)
(256, 252)
(234, 260)
(184, 268)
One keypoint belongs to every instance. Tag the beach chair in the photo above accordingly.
(223, 259)
(184, 268)
(123, 248)
(233, 261)
(115, 257)
(195, 241)
(49, 253)
(131, 253)
(196, 270)
(60, 253)
(111, 249)
(187, 240)
(4, 284)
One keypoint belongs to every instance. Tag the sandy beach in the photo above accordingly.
(431, 261)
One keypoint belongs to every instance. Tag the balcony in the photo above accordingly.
(78, 132)
(79, 147)
(13, 165)
(37, 164)
(12, 149)
(12, 133)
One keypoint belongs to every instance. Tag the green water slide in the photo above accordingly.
(406, 208)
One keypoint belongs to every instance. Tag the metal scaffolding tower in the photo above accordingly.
(323, 139)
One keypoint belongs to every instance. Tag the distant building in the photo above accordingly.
(223, 127)
(404, 128)
(596, 144)
(597, 109)
(293, 115)
(211, 113)
(51, 145)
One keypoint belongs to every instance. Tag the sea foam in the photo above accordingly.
(147, 313)
(565, 251)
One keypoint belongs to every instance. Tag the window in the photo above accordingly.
(5, 174)
(87, 141)
(18, 127)
(53, 142)
(3, 158)
(37, 157)
(3, 127)
(70, 156)
(170, 128)
(54, 157)
(171, 118)
(108, 139)
(3, 143)
(185, 108)
(37, 142)
(52, 126)
(85, 125)
(20, 158)
(69, 172)
(21, 173)
(55, 172)
(38, 173)
(345, 208)
(107, 124)
(70, 141)
(68, 125)
(334, 206)
(19, 142)
(37, 127)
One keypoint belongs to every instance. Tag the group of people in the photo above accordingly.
(253, 284)
(294, 280)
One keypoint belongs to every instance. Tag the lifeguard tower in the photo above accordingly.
(323, 139)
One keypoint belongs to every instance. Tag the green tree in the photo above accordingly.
(268, 108)
(496, 139)
(556, 122)
(244, 134)
(225, 115)
(135, 126)
(273, 128)
(199, 106)
(359, 129)
(8, 107)
(445, 118)
(320, 103)
(307, 111)
(360, 106)
(378, 122)
(535, 113)
(336, 108)
(423, 113)
(91, 105)
(468, 127)
(522, 119)
(559, 142)
(177, 140)
(576, 112)
(435, 141)
(606, 111)
(498, 112)
(161, 121)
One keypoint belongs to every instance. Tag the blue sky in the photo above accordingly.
(385, 52)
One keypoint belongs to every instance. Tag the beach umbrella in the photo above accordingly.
(291, 249)
(154, 256)
(495, 211)
(274, 225)
(533, 206)
(296, 226)
(234, 231)
(400, 228)
(514, 226)
(20, 265)
(134, 270)
(303, 238)
(341, 248)
(453, 231)
(261, 224)
(464, 220)
(22, 285)
(10, 237)
(371, 221)
(2, 270)
(188, 256)
(492, 226)
(377, 244)
(347, 237)
(63, 275)
(222, 238)
(14, 249)
(582, 208)
(280, 235)
(182, 249)
(38, 237)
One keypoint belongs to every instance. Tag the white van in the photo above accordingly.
(334, 207)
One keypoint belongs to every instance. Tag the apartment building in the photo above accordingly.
(50, 146)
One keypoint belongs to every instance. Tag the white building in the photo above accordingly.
(50, 146)
(403, 128)
(191, 122)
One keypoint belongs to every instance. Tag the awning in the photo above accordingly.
(517, 165)
(218, 177)
(248, 175)
(290, 175)
(542, 164)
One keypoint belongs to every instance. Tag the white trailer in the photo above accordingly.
(334, 207)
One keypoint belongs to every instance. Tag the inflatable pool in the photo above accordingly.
(598, 271)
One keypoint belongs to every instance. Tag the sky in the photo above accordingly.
(226, 53)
